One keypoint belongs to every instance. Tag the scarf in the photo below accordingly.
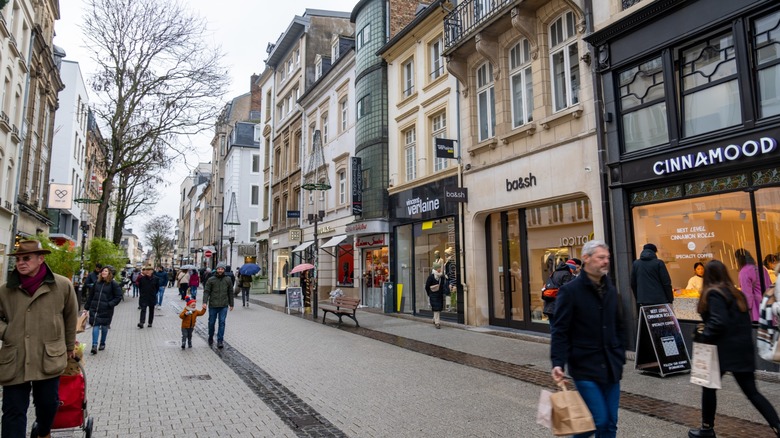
(436, 274)
(30, 284)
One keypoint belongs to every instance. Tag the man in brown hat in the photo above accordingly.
(38, 314)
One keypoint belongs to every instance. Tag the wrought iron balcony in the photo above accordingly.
(468, 16)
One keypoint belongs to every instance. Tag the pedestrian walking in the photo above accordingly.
(749, 281)
(184, 282)
(243, 285)
(134, 280)
(650, 279)
(562, 274)
(92, 278)
(194, 283)
(188, 316)
(40, 310)
(435, 287)
(218, 295)
(171, 277)
(162, 280)
(727, 325)
(588, 336)
(106, 294)
(147, 286)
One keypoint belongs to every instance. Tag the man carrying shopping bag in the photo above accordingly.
(588, 335)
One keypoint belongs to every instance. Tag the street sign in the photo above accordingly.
(207, 253)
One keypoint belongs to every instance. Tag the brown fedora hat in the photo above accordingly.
(30, 247)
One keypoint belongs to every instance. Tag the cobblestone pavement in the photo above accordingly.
(284, 375)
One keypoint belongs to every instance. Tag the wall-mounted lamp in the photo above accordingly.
(686, 219)
(718, 215)
(742, 215)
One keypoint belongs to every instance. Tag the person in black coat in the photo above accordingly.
(435, 287)
(589, 337)
(106, 294)
(148, 285)
(650, 279)
(727, 325)
(563, 274)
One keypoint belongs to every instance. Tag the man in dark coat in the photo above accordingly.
(650, 280)
(588, 336)
(148, 285)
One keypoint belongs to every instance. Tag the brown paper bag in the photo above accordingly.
(81, 323)
(570, 414)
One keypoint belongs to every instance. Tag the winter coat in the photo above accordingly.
(147, 290)
(92, 278)
(436, 298)
(588, 333)
(245, 281)
(194, 280)
(218, 291)
(184, 277)
(36, 331)
(560, 276)
(188, 321)
(751, 287)
(729, 329)
(650, 280)
(101, 302)
(162, 277)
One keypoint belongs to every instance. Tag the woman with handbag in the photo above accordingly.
(106, 294)
(435, 286)
(727, 324)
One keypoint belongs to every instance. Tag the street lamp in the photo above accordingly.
(232, 239)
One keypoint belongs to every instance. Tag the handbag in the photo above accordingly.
(570, 414)
(705, 367)
(81, 323)
(766, 341)
(544, 410)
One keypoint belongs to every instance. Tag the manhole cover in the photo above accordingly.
(198, 377)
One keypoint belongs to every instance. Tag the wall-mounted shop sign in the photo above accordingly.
(521, 182)
(445, 147)
(456, 194)
(295, 235)
(732, 152)
(424, 202)
(357, 186)
(293, 214)
(373, 240)
(367, 227)
(325, 229)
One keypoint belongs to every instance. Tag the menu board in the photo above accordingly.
(294, 299)
(659, 346)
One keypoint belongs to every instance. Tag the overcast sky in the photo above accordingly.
(242, 28)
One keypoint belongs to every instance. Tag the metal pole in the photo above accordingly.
(314, 295)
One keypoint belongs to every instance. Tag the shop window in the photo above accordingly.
(643, 106)
(564, 62)
(345, 265)
(709, 86)
(768, 217)
(521, 81)
(767, 54)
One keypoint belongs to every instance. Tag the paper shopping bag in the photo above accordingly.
(570, 414)
(81, 323)
(544, 410)
(705, 367)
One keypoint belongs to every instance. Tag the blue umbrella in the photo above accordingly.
(249, 269)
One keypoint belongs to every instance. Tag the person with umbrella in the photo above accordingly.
(244, 283)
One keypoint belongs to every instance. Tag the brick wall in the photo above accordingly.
(402, 12)
(256, 101)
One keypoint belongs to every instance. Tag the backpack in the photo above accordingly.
(550, 289)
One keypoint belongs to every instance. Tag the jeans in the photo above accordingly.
(98, 330)
(135, 290)
(186, 336)
(215, 312)
(151, 314)
(16, 400)
(747, 383)
(245, 295)
(602, 400)
(160, 293)
(194, 292)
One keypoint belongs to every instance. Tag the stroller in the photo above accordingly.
(72, 412)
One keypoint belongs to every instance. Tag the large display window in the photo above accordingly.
(718, 227)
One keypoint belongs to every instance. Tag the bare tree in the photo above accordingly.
(136, 193)
(158, 236)
(157, 82)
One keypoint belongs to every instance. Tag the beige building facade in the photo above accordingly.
(529, 151)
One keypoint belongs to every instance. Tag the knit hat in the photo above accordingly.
(436, 265)
(571, 264)
(651, 247)
(190, 301)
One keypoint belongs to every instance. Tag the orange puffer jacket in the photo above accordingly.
(188, 321)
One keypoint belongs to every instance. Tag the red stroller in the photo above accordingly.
(72, 412)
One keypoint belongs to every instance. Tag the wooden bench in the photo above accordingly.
(341, 306)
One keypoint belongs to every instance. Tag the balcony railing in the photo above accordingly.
(468, 16)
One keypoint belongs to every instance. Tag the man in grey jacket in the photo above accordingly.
(217, 294)
(650, 280)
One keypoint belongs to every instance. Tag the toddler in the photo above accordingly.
(188, 317)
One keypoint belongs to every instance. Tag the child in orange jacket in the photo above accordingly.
(188, 317)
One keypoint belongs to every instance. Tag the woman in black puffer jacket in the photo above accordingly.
(105, 294)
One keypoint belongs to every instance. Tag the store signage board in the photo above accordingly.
(660, 348)
(294, 299)
(357, 186)
(445, 148)
(293, 214)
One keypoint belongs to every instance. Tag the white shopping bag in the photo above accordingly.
(705, 367)
(544, 410)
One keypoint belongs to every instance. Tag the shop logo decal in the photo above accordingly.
(417, 205)
(521, 183)
(750, 148)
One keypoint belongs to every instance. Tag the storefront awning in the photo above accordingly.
(303, 246)
(334, 241)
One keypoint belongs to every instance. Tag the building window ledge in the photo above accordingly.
(406, 99)
(4, 27)
(5, 122)
(528, 129)
(478, 148)
(573, 112)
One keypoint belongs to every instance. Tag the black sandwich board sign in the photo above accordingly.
(294, 299)
(660, 348)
